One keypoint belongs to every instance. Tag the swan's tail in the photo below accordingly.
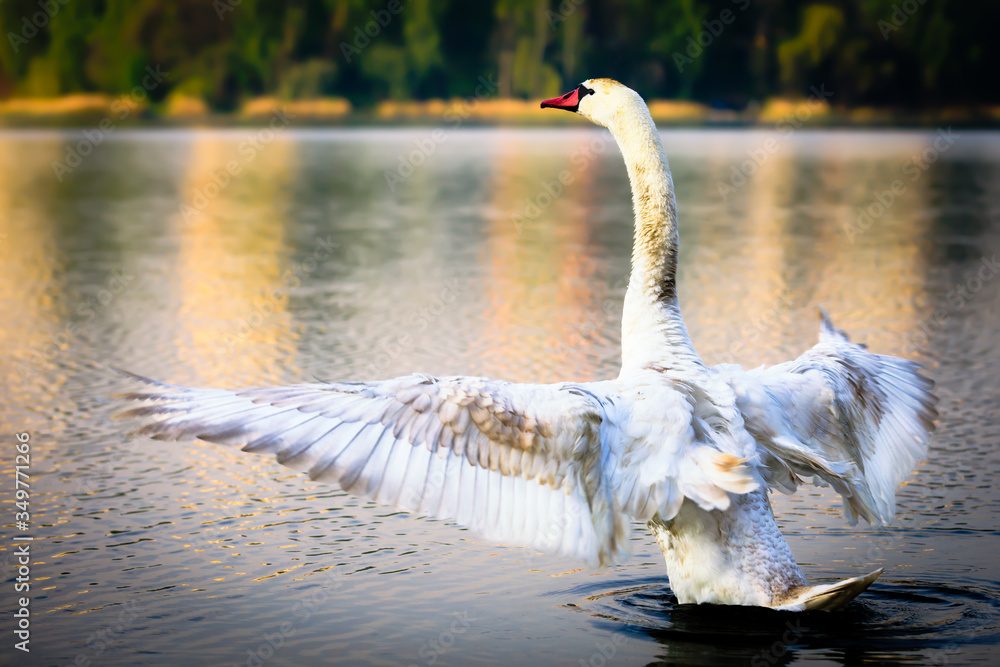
(828, 597)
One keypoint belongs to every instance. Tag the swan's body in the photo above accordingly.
(567, 468)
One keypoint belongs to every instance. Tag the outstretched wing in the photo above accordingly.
(546, 466)
(857, 420)
(519, 463)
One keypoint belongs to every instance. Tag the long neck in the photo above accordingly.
(653, 332)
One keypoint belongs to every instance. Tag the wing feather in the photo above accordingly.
(853, 419)
(555, 467)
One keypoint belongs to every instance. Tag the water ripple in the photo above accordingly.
(891, 618)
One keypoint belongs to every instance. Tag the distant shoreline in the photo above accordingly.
(96, 111)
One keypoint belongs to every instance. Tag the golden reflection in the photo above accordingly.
(782, 258)
(232, 321)
(872, 277)
(739, 309)
(765, 281)
(539, 287)
(35, 332)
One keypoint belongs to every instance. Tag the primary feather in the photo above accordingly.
(469, 449)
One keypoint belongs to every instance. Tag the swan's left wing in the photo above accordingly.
(536, 465)
(856, 420)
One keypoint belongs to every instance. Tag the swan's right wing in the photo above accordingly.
(856, 420)
(547, 466)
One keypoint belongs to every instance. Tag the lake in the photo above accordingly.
(235, 257)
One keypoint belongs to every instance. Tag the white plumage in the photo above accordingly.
(454, 447)
(567, 468)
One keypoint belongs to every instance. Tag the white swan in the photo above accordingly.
(567, 468)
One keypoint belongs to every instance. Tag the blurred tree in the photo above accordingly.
(822, 31)
(523, 33)
(729, 52)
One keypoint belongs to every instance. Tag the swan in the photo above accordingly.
(568, 468)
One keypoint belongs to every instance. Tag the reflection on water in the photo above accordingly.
(503, 254)
(916, 621)
(230, 261)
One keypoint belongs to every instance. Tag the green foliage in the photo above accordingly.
(909, 52)
(308, 80)
(822, 30)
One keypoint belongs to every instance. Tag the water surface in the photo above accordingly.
(501, 253)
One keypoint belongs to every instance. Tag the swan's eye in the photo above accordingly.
(584, 91)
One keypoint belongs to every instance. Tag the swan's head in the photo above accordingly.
(602, 101)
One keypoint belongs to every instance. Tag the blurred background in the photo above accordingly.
(882, 60)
